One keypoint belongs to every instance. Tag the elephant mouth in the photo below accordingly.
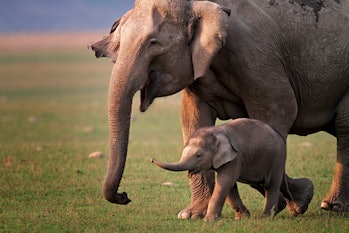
(146, 97)
(198, 170)
(193, 172)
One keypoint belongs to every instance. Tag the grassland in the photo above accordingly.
(53, 113)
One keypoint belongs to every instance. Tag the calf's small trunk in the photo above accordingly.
(180, 166)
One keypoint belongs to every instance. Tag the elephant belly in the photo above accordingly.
(251, 182)
(226, 110)
(308, 122)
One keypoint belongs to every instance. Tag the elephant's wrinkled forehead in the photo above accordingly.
(176, 9)
(195, 141)
(201, 140)
(190, 150)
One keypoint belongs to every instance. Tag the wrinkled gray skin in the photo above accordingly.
(284, 62)
(242, 150)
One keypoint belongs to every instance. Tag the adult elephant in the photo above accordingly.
(284, 62)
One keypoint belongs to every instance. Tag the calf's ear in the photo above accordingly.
(225, 151)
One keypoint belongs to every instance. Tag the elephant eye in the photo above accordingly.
(153, 41)
(198, 155)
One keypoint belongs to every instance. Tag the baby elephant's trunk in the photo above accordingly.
(171, 166)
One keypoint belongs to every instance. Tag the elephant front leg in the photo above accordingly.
(196, 114)
(201, 185)
(223, 184)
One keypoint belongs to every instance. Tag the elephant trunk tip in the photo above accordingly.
(158, 163)
(117, 198)
(153, 160)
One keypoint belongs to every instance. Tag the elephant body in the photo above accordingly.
(244, 150)
(304, 52)
(284, 62)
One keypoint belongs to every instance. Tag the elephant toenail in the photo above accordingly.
(184, 215)
(325, 205)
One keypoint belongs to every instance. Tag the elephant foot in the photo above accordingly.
(335, 203)
(336, 206)
(202, 185)
(194, 212)
(337, 199)
(242, 214)
(302, 191)
(212, 218)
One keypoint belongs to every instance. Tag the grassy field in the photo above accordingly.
(53, 114)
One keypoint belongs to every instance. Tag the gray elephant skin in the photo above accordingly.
(284, 62)
(244, 150)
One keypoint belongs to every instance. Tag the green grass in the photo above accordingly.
(53, 113)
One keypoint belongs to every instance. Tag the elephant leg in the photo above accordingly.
(236, 204)
(271, 201)
(220, 192)
(338, 197)
(281, 115)
(281, 199)
(302, 191)
(202, 186)
(196, 114)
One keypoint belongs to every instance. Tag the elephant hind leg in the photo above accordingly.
(236, 204)
(338, 197)
(271, 201)
(302, 191)
(281, 199)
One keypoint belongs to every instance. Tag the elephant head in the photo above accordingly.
(158, 47)
(204, 151)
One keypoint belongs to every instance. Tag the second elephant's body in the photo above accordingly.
(242, 150)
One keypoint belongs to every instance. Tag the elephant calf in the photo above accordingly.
(244, 150)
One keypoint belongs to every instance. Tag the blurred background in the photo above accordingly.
(60, 15)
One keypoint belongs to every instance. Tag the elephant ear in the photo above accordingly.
(225, 151)
(209, 31)
(108, 46)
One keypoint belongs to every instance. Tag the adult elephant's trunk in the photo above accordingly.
(120, 105)
(180, 166)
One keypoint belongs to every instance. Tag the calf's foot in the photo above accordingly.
(242, 214)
